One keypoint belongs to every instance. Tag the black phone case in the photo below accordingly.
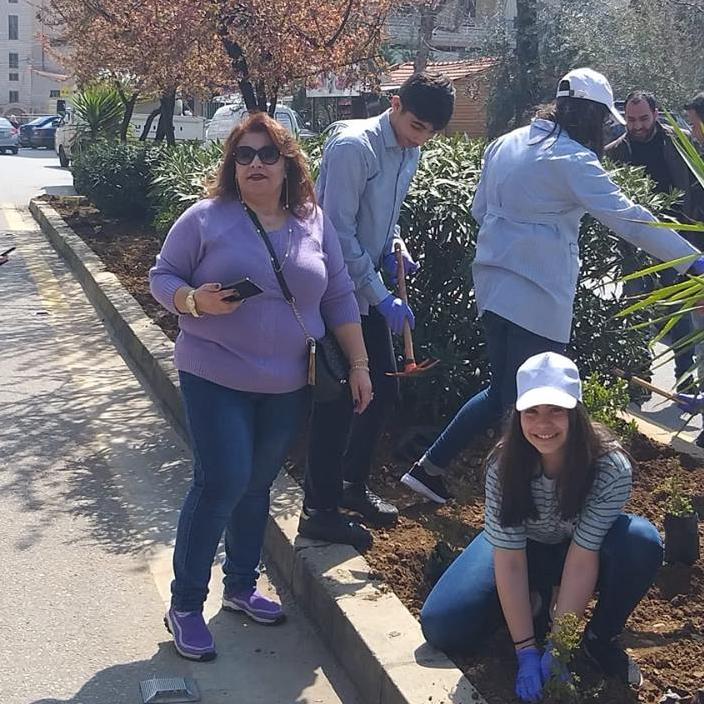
(244, 289)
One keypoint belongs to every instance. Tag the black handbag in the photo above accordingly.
(328, 368)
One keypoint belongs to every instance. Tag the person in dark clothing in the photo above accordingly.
(695, 115)
(648, 143)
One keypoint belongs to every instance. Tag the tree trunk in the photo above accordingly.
(272, 104)
(247, 90)
(527, 56)
(148, 124)
(425, 37)
(129, 110)
(165, 129)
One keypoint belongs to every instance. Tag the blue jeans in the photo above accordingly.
(240, 440)
(508, 346)
(463, 608)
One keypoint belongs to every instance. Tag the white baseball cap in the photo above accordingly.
(548, 379)
(588, 84)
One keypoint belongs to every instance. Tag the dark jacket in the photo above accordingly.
(682, 178)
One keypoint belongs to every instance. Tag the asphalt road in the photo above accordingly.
(91, 480)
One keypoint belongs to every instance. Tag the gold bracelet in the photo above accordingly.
(361, 360)
(362, 367)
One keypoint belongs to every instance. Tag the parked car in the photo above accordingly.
(44, 135)
(27, 129)
(9, 137)
(226, 117)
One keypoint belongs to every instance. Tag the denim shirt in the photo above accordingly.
(532, 194)
(364, 178)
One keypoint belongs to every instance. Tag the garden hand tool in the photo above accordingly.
(646, 385)
(410, 368)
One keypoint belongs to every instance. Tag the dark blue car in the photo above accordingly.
(39, 132)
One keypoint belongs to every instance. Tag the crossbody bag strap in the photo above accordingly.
(279, 274)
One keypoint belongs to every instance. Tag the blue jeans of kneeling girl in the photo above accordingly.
(463, 608)
(240, 440)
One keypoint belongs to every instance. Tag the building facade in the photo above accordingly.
(31, 81)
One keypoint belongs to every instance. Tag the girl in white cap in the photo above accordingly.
(537, 183)
(556, 486)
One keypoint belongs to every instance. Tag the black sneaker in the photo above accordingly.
(699, 442)
(431, 486)
(375, 511)
(332, 527)
(612, 659)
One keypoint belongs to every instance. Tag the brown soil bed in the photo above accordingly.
(666, 632)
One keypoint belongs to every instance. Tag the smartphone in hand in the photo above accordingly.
(246, 288)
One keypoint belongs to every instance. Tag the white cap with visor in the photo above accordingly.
(548, 379)
(588, 84)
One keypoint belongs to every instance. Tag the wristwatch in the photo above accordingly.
(191, 303)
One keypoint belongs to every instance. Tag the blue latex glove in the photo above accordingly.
(697, 267)
(550, 667)
(529, 684)
(391, 267)
(395, 311)
(691, 403)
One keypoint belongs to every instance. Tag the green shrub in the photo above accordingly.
(116, 177)
(607, 403)
(179, 179)
(678, 503)
(99, 110)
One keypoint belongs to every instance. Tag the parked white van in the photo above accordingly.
(186, 128)
(226, 117)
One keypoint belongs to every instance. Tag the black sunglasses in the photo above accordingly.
(267, 155)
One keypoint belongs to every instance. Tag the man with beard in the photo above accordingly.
(648, 143)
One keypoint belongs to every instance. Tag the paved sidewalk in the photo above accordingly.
(92, 478)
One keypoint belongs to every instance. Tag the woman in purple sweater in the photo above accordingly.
(243, 363)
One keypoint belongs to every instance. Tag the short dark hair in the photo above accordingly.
(430, 97)
(697, 104)
(638, 96)
(581, 118)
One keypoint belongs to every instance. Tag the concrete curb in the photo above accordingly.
(373, 636)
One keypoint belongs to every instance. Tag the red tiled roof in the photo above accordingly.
(454, 70)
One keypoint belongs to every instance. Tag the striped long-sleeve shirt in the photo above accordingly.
(605, 501)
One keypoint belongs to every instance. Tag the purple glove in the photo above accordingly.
(529, 684)
(691, 403)
(550, 667)
(395, 311)
(391, 267)
(697, 267)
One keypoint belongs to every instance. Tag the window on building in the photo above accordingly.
(14, 96)
(54, 93)
(14, 60)
(13, 26)
(14, 76)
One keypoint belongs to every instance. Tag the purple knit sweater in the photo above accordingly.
(260, 347)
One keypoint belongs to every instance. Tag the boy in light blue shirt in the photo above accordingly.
(365, 174)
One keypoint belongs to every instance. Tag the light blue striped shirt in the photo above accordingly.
(602, 506)
(364, 178)
(531, 197)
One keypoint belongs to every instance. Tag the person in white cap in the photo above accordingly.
(556, 485)
(537, 183)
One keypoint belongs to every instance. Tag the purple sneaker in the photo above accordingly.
(255, 605)
(192, 638)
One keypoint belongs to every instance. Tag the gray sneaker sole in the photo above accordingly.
(266, 621)
(207, 656)
(412, 483)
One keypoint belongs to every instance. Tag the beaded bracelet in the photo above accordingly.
(362, 367)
